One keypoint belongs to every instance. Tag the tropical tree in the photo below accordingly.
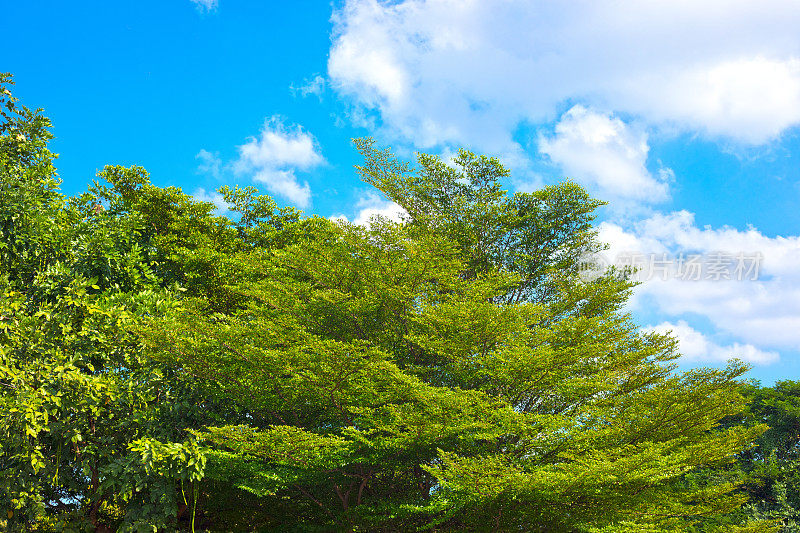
(162, 367)
(772, 467)
(452, 371)
(92, 434)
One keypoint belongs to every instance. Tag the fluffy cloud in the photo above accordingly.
(677, 232)
(604, 153)
(372, 205)
(764, 312)
(696, 347)
(275, 155)
(470, 72)
(750, 99)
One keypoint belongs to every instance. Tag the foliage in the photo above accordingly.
(453, 371)
(87, 422)
(165, 368)
(772, 467)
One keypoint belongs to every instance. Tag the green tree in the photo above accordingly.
(92, 434)
(772, 467)
(281, 372)
(452, 371)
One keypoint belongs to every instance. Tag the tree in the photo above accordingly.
(92, 434)
(164, 368)
(772, 467)
(452, 371)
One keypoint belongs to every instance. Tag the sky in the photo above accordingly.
(682, 115)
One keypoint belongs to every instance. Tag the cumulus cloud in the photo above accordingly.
(764, 311)
(696, 347)
(603, 152)
(274, 157)
(205, 5)
(750, 99)
(677, 231)
(470, 72)
(372, 205)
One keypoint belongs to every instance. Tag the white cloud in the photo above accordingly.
(205, 5)
(279, 145)
(677, 231)
(210, 163)
(751, 99)
(276, 154)
(315, 86)
(470, 72)
(372, 205)
(764, 312)
(284, 183)
(603, 152)
(696, 347)
(201, 195)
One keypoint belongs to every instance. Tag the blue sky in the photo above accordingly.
(683, 115)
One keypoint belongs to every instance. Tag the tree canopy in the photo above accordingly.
(163, 367)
